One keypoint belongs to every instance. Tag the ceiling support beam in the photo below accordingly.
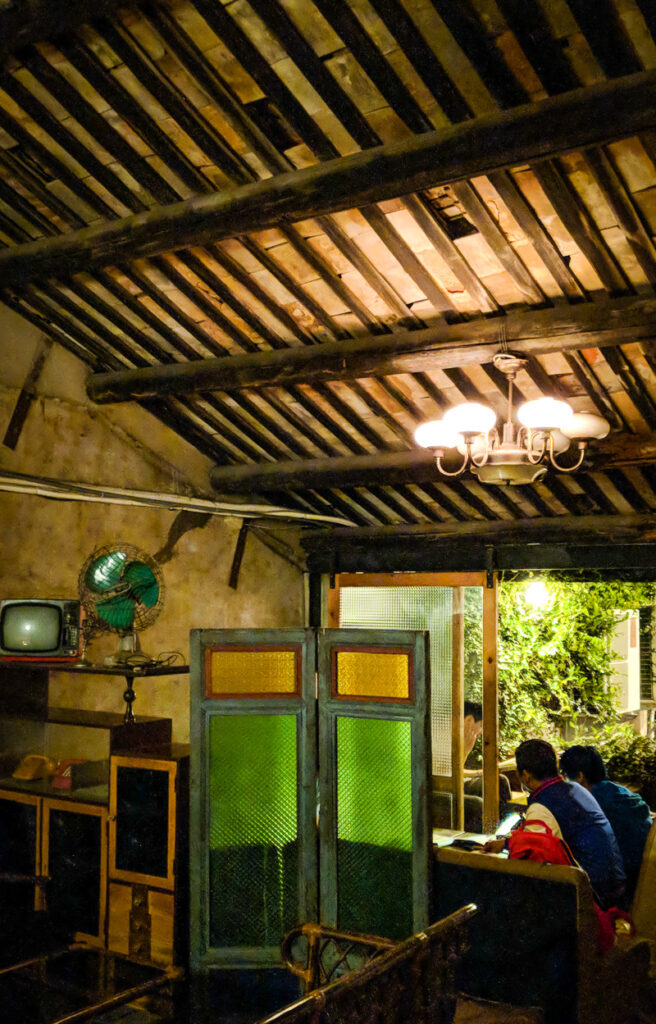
(30, 21)
(415, 466)
(532, 132)
(616, 546)
(444, 346)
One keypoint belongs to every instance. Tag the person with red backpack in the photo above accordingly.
(570, 812)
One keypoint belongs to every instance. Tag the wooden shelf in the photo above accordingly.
(42, 787)
(92, 719)
(133, 671)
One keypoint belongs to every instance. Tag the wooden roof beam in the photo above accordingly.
(414, 466)
(533, 132)
(445, 346)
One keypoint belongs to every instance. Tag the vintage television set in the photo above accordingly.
(40, 629)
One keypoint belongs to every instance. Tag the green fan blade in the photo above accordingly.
(105, 571)
(142, 583)
(117, 612)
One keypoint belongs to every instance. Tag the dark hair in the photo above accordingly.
(587, 760)
(538, 757)
(475, 709)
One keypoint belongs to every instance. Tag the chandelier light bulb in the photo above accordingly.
(545, 414)
(470, 418)
(437, 434)
(585, 425)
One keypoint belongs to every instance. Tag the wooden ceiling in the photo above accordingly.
(328, 215)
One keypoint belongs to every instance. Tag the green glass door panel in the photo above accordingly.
(374, 771)
(374, 826)
(253, 829)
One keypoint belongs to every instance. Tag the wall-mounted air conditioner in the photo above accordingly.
(625, 664)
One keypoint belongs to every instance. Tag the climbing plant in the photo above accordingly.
(554, 660)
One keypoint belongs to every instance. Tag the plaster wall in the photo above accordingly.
(43, 543)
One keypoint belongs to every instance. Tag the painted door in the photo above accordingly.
(374, 765)
(253, 792)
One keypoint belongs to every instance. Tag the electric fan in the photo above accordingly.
(121, 589)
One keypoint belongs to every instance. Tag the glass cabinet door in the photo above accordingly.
(142, 821)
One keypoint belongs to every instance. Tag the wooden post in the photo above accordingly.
(457, 702)
(333, 603)
(490, 709)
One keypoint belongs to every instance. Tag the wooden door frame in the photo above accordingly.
(490, 737)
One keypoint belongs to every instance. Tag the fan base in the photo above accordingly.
(128, 653)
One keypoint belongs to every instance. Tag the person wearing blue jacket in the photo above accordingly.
(573, 814)
(627, 812)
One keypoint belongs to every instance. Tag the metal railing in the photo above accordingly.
(372, 980)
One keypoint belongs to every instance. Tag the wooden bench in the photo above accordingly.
(534, 940)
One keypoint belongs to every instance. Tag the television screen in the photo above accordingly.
(31, 628)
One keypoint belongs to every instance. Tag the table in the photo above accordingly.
(74, 985)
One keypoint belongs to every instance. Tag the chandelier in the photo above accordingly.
(519, 455)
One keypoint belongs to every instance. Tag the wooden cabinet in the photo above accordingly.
(115, 851)
(66, 841)
(148, 864)
(74, 856)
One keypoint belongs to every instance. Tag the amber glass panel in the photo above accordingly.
(251, 671)
(378, 674)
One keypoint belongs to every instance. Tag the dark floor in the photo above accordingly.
(219, 997)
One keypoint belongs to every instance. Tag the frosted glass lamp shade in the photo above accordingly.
(437, 434)
(470, 418)
(586, 425)
(545, 414)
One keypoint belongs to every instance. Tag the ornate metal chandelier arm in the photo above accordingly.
(535, 455)
(457, 472)
(566, 469)
(491, 442)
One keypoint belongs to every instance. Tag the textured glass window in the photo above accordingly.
(374, 826)
(235, 671)
(428, 608)
(253, 829)
(382, 675)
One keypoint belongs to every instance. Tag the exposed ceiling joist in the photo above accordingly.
(620, 545)
(627, 528)
(387, 468)
(538, 131)
(444, 346)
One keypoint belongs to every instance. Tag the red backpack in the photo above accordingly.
(527, 844)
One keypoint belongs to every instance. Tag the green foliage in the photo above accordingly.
(554, 662)
(629, 758)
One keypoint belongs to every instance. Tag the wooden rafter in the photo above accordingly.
(445, 346)
(406, 467)
(581, 118)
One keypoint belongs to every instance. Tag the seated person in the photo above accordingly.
(627, 812)
(473, 726)
(573, 814)
(473, 786)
